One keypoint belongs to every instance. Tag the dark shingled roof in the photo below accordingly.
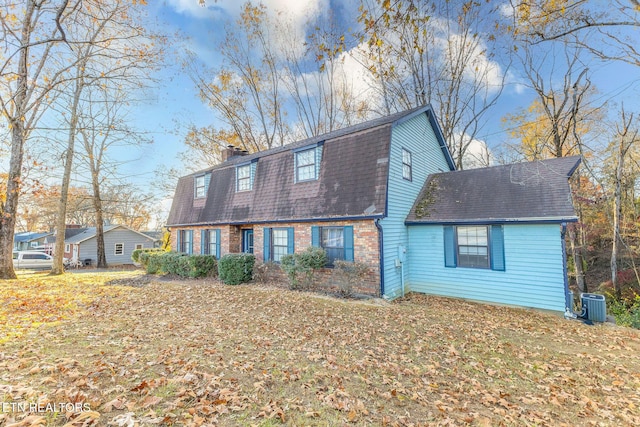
(352, 181)
(521, 192)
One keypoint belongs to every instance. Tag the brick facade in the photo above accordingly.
(365, 245)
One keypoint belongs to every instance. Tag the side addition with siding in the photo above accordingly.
(417, 137)
(533, 273)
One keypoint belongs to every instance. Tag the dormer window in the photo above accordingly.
(244, 176)
(201, 185)
(307, 163)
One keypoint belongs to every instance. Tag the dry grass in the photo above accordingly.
(201, 353)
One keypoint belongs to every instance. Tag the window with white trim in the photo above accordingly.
(185, 241)
(139, 245)
(406, 165)
(477, 246)
(201, 185)
(332, 241)
(473, 246)
(243, 178)
(280, 243)
(306, 165)
(118, 249)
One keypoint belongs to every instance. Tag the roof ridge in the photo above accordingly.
(334, 134)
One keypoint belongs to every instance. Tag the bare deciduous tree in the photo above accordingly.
(438, 53)
(33, 34)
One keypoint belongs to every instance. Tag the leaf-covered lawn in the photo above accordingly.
(201, 353)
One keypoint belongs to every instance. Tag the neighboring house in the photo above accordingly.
(156, 236)
(28, 241)
(119, 243)
(369, 193)
(49, 241)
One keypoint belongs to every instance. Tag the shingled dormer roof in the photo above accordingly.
(352, 181)
(523, 192)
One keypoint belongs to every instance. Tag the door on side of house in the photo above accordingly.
(247, 240)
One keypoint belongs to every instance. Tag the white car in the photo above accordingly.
(32, 260)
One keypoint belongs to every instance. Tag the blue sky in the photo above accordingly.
(174, 104)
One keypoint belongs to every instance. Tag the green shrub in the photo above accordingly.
(203, 266)
(135, 255)
(300, 268)
(174, 263)
(626, 313)
(313, 257)
(234, 269)
(152, 262)
(347, 275)
(180, 264)
(292, 269)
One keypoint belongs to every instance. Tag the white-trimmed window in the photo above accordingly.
(118, 249)
(280, 239)
(243, 178)
(306, 165)
(67, 247)
(185, 241)
(139, 245)
(201, 185)
(473, 246)
(337, 241)
(406, 165)
(278, 242)
(210, 242)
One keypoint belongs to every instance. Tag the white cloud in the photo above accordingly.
(477, 153)
(507, 10)
(297, 10)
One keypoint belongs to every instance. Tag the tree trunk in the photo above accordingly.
(577, 259)
(617, 213)
(61, 218)
(9, 210)
(97, 204)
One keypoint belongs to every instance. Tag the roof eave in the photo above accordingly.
(281, 221)
(486, 221)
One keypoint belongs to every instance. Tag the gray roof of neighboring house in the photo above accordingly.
(155, 235)
(87, 233)
(68, 233)
(27, 236)
(524, 192)
(352, 182)
(90, 232)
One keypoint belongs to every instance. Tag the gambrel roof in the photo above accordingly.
(352, 181)
(522, 192)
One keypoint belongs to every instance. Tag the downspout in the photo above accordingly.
(381, 251)
(402, 279)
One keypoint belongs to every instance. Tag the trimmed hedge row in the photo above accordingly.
(135, 255)
(234, 269)
(179, 264)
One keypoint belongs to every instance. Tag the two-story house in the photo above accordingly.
(379, 193)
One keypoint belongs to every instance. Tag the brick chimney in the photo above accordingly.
(230, 152)
(227, 153)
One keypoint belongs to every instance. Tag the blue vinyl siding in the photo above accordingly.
(533, 273)
(416, 136)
